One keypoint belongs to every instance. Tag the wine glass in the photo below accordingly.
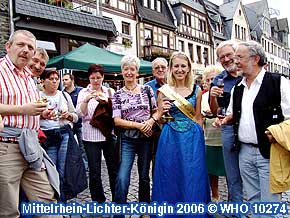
(220, 84)
(221, 112)
(166, 117)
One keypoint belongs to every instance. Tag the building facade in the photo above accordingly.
(193, 34)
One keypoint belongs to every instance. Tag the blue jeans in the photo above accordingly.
(231, 160)
(255, 174)
(130, 147)
(57, 153)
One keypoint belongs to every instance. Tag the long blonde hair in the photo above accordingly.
(189, 77)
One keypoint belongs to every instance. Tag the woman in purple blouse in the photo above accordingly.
(134, 112)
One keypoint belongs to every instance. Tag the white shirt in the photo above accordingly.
(247, 128)
(89, 132)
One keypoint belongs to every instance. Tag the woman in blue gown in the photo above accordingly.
(180, 173)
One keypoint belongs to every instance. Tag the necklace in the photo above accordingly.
(130, 90)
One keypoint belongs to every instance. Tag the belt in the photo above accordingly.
(9, 141)
(250, 144)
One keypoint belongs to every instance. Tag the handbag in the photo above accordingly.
(156, 129)
(54, 137)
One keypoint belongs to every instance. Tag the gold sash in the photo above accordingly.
(180, 102)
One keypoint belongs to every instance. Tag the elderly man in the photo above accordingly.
(225, 53)
(159, 69)
(22, 160)
(261, 99)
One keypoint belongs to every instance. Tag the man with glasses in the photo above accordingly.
(261, 99)
(159, 69)
(225, 53)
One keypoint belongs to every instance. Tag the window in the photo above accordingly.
(165, 40)
(202, 25)
(181, 45)
(198, 50)
(148, 33)
(205, 56)
(236, 31)
(126, 28)
(146, 3)
(158, 6)
(152, 4)
(188, 20)
(190, 50)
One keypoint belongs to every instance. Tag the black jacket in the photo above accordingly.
(266, 109)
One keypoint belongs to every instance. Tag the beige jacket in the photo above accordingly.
(280, 158)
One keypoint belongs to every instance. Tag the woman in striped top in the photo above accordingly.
(94, 141)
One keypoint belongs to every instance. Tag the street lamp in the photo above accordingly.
(147, 48)
(205, 56)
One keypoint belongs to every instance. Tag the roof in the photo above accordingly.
(59, 14)
(260, 7)
(163, 18)
(228, 10)
(192, 4)
(254, 22)
(82, 57)
(283, 25)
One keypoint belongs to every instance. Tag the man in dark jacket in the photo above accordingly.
(258, 101)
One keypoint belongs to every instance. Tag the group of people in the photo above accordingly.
(170, 121)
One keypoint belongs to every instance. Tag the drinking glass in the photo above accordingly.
(220, 84)
(166, 117)
(221, 112)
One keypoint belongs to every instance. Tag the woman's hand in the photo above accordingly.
(91, 95)
(49, 115)
(165, 106)
(145, 128)
(66, 116)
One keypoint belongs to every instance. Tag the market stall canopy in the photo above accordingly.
(81, 58)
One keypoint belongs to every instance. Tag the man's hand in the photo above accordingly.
(270, 136)
(1, 123)
(33, 109)
(216, 91)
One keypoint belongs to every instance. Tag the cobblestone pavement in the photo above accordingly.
(133, 190)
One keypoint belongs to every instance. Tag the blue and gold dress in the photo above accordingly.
(180, 173)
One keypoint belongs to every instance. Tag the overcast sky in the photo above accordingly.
(281, 5)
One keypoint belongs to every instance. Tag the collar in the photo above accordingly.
(89, 88)
(259, 78)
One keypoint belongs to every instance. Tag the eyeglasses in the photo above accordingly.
(238, 58)
(157, 67)
(229, 56)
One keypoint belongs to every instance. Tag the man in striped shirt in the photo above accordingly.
(20, 110)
